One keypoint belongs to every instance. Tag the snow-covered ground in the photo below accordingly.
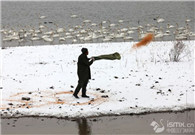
(142, 81)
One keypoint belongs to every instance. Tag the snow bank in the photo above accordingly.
(142, 81)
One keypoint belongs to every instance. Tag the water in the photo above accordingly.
(25, 13)
(19, 15)
(125, 124)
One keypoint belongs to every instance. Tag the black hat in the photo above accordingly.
(84, 50)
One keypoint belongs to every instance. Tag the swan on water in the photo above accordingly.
(74, 16)
(160, 20)
(41, 16)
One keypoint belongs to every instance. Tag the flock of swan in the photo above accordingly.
(88, 31)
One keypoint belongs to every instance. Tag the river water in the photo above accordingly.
(170, 122)
(24, 15)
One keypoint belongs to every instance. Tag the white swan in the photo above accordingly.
(62, 39)
(170, 26)
(191, 34)
(152, 29)
(180, 37)
(71, 30)
(130, 32)
(74, 16)
(69, 37)
(56, 35)
(159, 34)
(120, 35)
(35, 38)
(88, 38)
(188, 20)
(45, 36)
(87, 21)
(7, 39)
(160, 20)
(104, 22)
(48, 33)
(93, 24)
(41, 16)
(141, 34)
(124, 30)
(112, 25)
(120, 21)
(41, 26)
(107, 39)
(133, 28)
(128, 38)
(47, 39)
(59, 30)
(83, 31)
(74, 41)
(38, 31)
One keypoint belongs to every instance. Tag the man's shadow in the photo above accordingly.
(84, 128)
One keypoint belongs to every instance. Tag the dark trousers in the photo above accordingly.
(83, 85)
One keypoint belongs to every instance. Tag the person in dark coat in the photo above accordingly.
(84, 73)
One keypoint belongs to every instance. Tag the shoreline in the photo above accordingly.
(91, 43)
(104, 115)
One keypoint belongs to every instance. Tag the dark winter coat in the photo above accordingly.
(83, 70)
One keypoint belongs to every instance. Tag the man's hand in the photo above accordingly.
(92, 58)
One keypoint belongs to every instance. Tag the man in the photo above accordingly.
(83, 72)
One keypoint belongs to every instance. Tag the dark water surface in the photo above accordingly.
(25, 13)
(126, 124)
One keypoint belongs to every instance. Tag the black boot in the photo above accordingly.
(75, 96)
(85, 96)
